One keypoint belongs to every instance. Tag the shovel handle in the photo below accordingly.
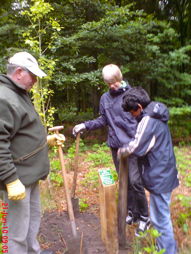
(76, 165)
(68, 198)
(56, 128)
(67, 192)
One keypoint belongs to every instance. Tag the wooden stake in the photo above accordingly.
(108, 216)
(122, 202)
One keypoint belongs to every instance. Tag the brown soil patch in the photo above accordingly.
(56, 231)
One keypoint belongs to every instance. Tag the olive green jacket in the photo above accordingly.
(21, 132)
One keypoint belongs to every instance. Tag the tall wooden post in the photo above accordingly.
(122, 202)
(108, 211)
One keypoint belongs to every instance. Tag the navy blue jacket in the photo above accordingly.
(121, 125)
(153, 145)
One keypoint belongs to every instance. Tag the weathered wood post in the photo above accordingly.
(108, 211)
(122, 202)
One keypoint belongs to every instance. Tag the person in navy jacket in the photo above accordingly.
(153, 145)
(121, 129)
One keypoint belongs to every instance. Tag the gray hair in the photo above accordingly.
(111, 72)
(11, 68)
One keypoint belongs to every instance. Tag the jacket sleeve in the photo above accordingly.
(144, 138)
(7, 120)
(99, 122)
(128, 124)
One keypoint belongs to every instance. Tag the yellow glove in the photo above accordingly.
(56, 139)
(16, 190)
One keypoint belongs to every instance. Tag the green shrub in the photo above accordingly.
(72, 149)
(180, 123)
(183, 165)
(55, 172)
(70, 114)
(146, 243)
(91, 178)
(100, 156)
(83, 204)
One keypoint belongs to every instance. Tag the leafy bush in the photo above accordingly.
(72, 149)
(70, 114)
(83, 204)
(183, 165)
(55, 174)
(180, 123)
(146, 243)
(91, 178)
(101, 156)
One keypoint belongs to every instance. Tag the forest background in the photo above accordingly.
(73, 39)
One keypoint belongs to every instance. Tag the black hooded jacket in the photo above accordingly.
(121, 125)
(153, 145)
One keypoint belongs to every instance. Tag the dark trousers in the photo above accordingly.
(137, 201)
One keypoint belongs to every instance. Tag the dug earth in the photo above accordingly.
(56, 234)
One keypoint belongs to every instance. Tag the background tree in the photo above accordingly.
(74, 39)
(40, 36)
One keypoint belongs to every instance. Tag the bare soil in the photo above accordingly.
(56, 231)
(56, 234)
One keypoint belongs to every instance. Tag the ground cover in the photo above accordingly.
(55, 232)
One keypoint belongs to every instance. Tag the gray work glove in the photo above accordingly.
(78, 128)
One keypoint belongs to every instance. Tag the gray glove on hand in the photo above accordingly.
(122, 152)
(78, 128)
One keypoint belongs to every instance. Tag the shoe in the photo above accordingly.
(130, 219)
(144, 225)
(46, 252)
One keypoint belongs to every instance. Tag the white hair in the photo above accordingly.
(111, 72)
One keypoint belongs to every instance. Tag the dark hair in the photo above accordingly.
(133, 97)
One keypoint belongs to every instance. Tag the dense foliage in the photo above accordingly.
(74, 39)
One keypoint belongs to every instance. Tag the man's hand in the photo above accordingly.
(16, 190)
(56, 139)
(78, 128)
(122, 152)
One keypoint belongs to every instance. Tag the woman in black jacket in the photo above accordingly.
(121, 129)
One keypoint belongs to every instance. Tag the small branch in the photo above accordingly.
(63, 241)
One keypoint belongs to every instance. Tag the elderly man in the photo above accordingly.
(23, 154)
